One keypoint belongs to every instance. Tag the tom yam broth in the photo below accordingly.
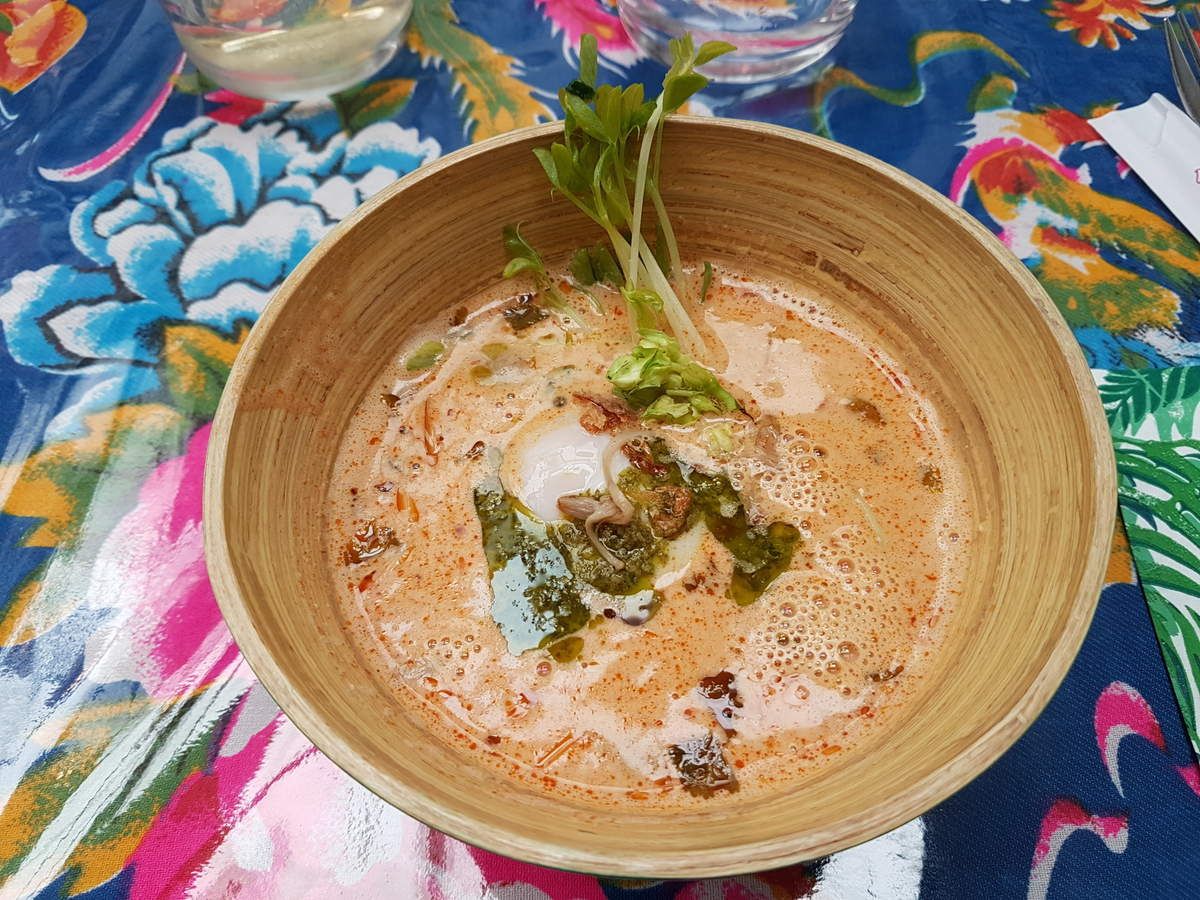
(764, 599)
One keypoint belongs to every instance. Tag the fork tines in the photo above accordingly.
(1185, 60)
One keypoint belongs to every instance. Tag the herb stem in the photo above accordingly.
(680, 322)
(622, 247)
(639, 190)
(660, 209)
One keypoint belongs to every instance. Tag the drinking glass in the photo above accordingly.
(288, 49)
(774, 38)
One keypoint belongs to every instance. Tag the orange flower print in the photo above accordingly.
(1106, 21)
(34, 35)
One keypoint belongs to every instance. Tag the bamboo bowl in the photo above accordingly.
(948, 300)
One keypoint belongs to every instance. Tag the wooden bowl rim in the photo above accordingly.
(887, 813)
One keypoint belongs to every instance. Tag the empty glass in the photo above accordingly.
(775, 38)
(288, 49)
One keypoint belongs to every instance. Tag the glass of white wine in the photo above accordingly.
(289, 49)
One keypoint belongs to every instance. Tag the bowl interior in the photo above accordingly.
(946, 300)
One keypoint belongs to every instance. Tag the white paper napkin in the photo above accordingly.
(1162, 145)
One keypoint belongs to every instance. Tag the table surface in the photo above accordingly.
(145, 219)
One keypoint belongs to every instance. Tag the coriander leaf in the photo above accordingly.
(710, 50)
(609, 111)
(589, 59)
(518, 248)
(546, 158)
(706, 281)
(581, 267)
(585, 117)
(570, 178)
(679, 89)
(522, 264)
(632, 103)
(604, 265)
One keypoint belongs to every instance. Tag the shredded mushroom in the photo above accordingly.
(595, 511)
(610, 481)
(613, 507)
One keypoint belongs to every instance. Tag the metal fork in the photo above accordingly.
(1185, 60)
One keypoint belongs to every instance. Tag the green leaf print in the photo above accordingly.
(1159, 487)
(1167, 395)
(375, 101)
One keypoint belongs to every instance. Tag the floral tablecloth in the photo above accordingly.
(145, 218)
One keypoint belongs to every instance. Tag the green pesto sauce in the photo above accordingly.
(542, 575)
(535, 598)
(761, 553)
(634, 544)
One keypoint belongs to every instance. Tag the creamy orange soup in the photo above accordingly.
(805, 550)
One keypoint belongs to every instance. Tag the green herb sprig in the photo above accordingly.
(603, 165)
(608, 164)
(523, 258)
